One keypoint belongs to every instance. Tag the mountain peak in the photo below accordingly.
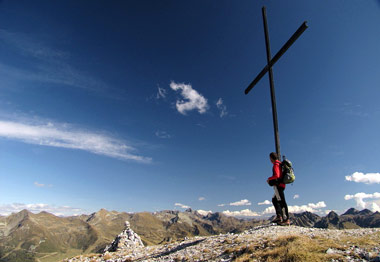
(351, 211)
(332, 215)
(102, 211)
(45, 213)
(22, 214)
(214, 216)
(97, 215)
(365, 212)
(24, 211)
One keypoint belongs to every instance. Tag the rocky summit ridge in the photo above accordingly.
(262, 243)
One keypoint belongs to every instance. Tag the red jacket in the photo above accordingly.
(277, 172)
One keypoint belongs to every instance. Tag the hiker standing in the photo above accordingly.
(278, 199)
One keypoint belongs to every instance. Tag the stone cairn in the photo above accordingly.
(127, 239)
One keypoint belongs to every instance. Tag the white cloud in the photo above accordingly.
(162, 134)
(242, 213)
(194, 100)
(299, 209)
(222, 108)
(358, 197)
(266, 202)
(181, 205)
(243, 202)
(161, 93)
(369, 178)
(201, 198)
(203, 212)
(41, 185)
(269, 210)
(6, 210)
(64, 136)
(320, 204)
(296, 196)
(375, 207)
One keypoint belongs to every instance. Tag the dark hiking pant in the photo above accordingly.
(279, 202)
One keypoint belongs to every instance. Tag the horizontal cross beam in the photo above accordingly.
(285, 47)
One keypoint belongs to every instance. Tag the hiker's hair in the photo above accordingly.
(274, 156)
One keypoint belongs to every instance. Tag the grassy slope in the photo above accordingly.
(300, 248)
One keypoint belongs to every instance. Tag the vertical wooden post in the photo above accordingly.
(271, 83)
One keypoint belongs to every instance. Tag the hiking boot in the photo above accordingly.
(285, 223)
(277, 220)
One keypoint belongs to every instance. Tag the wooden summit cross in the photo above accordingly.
(268, 67)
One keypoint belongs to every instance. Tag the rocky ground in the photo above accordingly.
(263, 243)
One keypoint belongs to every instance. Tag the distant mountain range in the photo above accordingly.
(351, 219)
(25, 236)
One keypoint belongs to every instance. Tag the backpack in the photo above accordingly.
(287, 172)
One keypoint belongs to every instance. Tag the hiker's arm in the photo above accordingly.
(276, 173)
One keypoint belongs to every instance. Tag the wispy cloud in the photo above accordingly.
(243, 202)
(369, 178)
(181, 205)
(6, 210)
(222, 108)
(358, 197)
(266, 202)
(201, 198)
(61, 74)
(43, 64)
(299, 209)
(193, 100)
(242, 213)
(296, 196)
(161, 93)
(42, 185)
(64, 136)
(353, 110)
(27, 46)
(162, 134)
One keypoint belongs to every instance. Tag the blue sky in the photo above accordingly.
(140, 106)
